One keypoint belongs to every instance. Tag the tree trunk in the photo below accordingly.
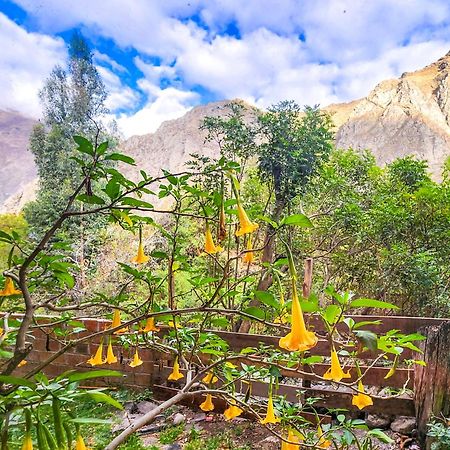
(432, 382)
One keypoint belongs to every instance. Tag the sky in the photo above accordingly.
(160, 58)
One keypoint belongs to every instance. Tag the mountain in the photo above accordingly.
(17, 168)
(405, 116)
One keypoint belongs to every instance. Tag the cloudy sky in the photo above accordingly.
(159, 58)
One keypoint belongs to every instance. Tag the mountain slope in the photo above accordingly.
(17, 168)
(408, 115)
(405, 116)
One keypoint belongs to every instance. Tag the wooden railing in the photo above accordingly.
(156, 367)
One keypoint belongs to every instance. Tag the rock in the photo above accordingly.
(125, 420)
(378, 421)
(200, 417)
(174, 446)
(178, 419)
(403, 424)
(145, 406)
(270, 440)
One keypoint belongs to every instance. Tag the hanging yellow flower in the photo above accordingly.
(176, 374)
(9, 288)
(141, 257)
(245, 224)
(270, 414)
(22, 363)
(248, 256)
(361, 400)
(232, 411)
(299, 339)
(1, 331)
(207, 405)
(323, 443)
(210, 247)
(117, 321)
(110, 357)
(97, 359)
(335, 372)
(136, 360)
(80, 443)
(293, 443)
(149, 326)
(210, 378)
(27, 443)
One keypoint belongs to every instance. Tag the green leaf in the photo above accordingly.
(368, 338)
(298, 220)
(267, 298)
(112, 189)
(255, 312)
(84, 146)
(16, 381)
(371, 303)
(78, 376)
(5, 237)
(91, 199)
(66, 278)
(220, 322)
(331, 313)
(135, 202)
(90, 420)
(120, 157)
(101, 397)
(378, 434)
(101, 149)
(312, 360)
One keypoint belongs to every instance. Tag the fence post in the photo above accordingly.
(432, 382)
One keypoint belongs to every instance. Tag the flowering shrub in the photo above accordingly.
(222, 278)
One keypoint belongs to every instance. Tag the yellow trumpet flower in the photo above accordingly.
(210, 378)
(207, 405)
(323, 443)
(245, 224)
(110, 357)
(232, 411)
(361, 400)
(248, 257)
(136, 360)
(210, 247)
(9, 288)
(299, 339)
(117, 321)
(335, 372)
(149, 326)
(270, 415)
(292, 437)
(27, 443)
(97, 359)
(80, 443)
(141, 257)
(176, 374)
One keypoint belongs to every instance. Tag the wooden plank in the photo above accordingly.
(327, 396)
(164, 392)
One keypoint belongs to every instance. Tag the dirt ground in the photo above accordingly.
(211, 432)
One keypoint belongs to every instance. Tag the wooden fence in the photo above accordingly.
(156, 367)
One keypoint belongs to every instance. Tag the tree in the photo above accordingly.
(73, 103)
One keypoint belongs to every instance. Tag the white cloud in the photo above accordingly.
(165, 104)
(119, 96)
(26, 59)
(103, 59)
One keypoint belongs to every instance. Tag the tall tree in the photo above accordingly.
(73, 102)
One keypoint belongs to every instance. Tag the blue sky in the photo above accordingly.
(160, 58)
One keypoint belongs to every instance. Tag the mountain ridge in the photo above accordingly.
(409, 115)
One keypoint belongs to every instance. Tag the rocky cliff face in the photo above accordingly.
(405, 116)
(408, 115)
(17, 169)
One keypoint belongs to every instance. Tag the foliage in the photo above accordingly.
(380, 232)
(219, 280)
(73, 103)
(10, 223)
(439, 430)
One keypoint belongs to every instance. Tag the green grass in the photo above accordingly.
(170, 434)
